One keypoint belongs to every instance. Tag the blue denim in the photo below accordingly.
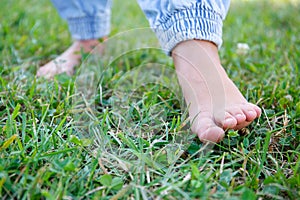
(173, 21)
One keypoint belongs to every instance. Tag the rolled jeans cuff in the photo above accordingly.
(196, 22)
(90, 27)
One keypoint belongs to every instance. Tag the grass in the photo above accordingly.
(136, 145)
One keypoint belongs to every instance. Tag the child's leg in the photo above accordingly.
(88, 21)
(192, 30)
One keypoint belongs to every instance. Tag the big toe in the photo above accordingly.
(207, 130)
(212, 134)
(42, 73)
(46, 70)
(51, 69)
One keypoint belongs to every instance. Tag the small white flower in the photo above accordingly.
(242, 48)
(289, 97)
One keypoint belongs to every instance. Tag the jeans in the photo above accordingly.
(173, 21)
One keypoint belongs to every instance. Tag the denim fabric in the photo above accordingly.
(173, 21)
(87, 19)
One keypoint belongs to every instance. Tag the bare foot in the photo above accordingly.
(215, 103)
(67, 61)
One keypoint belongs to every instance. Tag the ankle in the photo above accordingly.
(196, 48)
(86, 45)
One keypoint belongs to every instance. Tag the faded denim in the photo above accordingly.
(173, 21)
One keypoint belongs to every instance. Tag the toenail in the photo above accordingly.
(229, 121)
(251, 112)
(239, 115)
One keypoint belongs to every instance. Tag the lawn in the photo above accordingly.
(121, 132)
